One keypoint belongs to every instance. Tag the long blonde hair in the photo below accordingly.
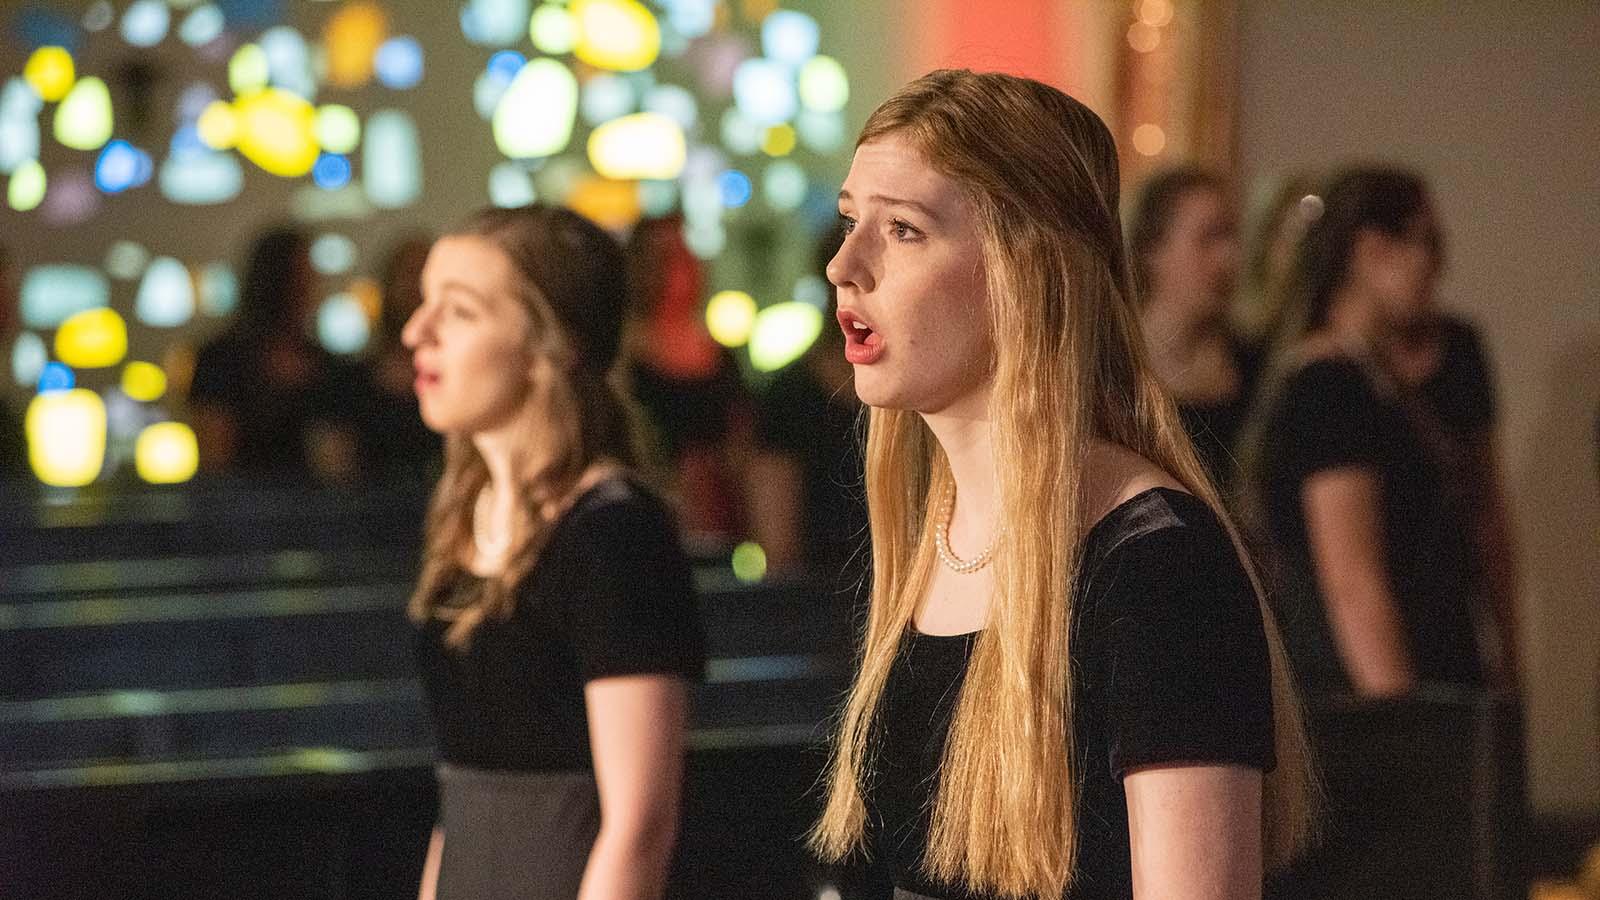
(1040, 172)
(570, 279)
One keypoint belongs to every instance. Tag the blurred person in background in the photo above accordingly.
(397, 443)
(804, 482)
(557, 621)
(1360, 477)
(696, 407)
(1275, 227)
(1373, 502)
(267, 401)
(1184, 247)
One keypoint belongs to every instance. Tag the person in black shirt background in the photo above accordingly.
(688, 386)
(557, 623)
(1357, 479)
(267, 401)
(1360, 476)
(1069, 686)
(1184, 246)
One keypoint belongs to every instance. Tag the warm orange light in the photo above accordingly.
(352, 38)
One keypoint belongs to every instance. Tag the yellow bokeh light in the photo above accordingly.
(50, 73)
(552, 29)
(619, 35)
(730, 316)
(218, 125)
(1149, 139)
(277, 131)
(779, 140)
(144, 381)
(609, 204)
(166, 453)
(66, 437)
(83, 120)
(338, 128)
(783, 333)
(352, 38)
(640, 146)
(26, 189)
(535, 115)
(92, 339)
(749, 562)
(248, 70)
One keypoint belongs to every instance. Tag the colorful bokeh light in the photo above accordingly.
(166, 453)
(619, 35)
(26, 189)
(643, 145)
(92, 339)
(782, 334)
(391, 160)
(51, 294)
(277, 131)
(166, 294)
(144, 381)
(66, 433)
(83, 120)
(50, 72)
(535, 115)
(730, 317)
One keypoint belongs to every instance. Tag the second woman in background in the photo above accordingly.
(1184, 246)
(556, 612)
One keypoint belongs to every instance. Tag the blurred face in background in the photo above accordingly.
(1197, 259)
(912, 298)
(1400, 272)
(470, 338)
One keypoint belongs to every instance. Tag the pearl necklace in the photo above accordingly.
(941, 538)
(490, 547)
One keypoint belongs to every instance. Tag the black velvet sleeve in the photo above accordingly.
(1333, 416)
(631, 609)
(1182, 653)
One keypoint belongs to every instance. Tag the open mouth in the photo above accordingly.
(858, 332)
(863, 343)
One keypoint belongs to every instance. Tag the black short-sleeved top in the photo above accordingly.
(1169, 662)
(1332, 414)
(611, 594)
(1461, 391)
(799, 418)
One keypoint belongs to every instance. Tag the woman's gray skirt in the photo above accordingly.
(515, 835)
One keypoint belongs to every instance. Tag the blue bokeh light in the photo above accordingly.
(790, 37)
(56, 376)
(331, 171)
(122, 166)
(399, 63)
(735, 188)
(506, 64)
